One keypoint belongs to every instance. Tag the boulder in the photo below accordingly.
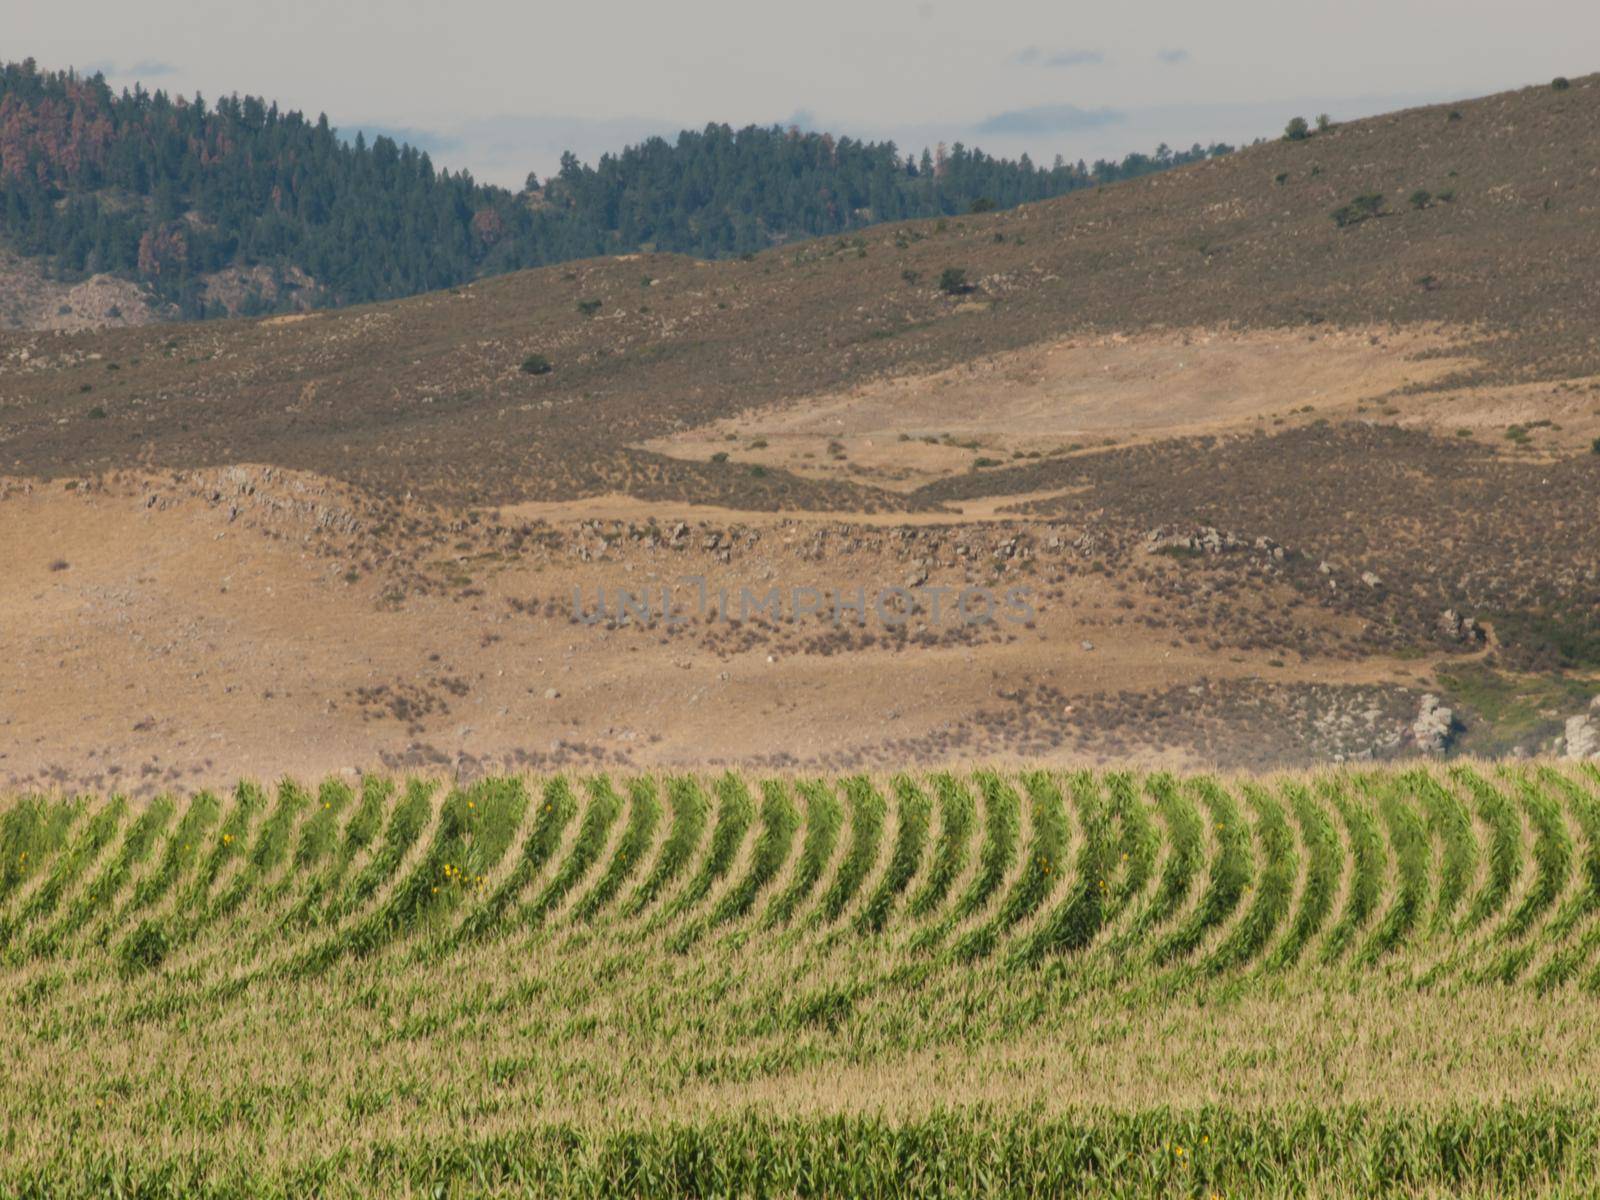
(1434, 726)
(1453, 627)
(1583, 737)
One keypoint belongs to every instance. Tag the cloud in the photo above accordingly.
(1049, 118)
(1075, 58)
(147, 68)
(429, 141)
(1173, 57)
(1033, 56)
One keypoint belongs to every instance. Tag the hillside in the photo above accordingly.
(238, 207)
(1284, 488)
(643, 345)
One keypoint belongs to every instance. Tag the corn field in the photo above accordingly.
(1351, 983)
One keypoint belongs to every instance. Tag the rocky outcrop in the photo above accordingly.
(1459, 630)
(1434, 726)
(1583, 734)
(1207, 540)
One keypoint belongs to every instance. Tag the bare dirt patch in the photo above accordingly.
(173, 632)
(1077, 393)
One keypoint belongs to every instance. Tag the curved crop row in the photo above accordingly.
(1098, 875)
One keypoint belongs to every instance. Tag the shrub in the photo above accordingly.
(536, 364)
(588, 307)
(721, 456)
(1455, 114)
(1421, 198)
(1446, 197)
(1296, 130)
(1281, 178)
(1560, 83)
(97, 413)
(981, 204)
(1324, 123)
(911, 276)
(1359, 209)
(1594, 446)
(953, 281)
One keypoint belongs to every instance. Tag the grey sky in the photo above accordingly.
(502, 86)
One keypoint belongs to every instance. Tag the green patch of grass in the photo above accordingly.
(1512, 709)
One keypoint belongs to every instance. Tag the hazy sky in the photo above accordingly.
(502, 86)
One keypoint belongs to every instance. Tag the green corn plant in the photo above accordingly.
(644, 815)
(1451, 823)
(779, 821)
(1230, 875)
(185, 845)
(1002, 818)
(100, 893)
(916, 813)
(824, 819)
(867, 811)
(1140, 841)
(1367, 867)
(958, 815)
(1324, 868)
(554, 810)
(1089, 898)
(65, 868)
(1185, 851)
(1041, 866)
(689, 813)
(1274, 891)
(599, 815)
(1505, 847)
(1408, 836)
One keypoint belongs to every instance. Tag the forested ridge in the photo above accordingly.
(169, 191)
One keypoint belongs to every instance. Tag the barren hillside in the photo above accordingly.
(1268, 478)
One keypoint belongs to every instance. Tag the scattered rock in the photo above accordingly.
(551, 694)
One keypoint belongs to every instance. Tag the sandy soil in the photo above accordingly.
(156, 637)
(1082, 391)
(185, 630)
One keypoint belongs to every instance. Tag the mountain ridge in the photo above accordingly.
(239, 208)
